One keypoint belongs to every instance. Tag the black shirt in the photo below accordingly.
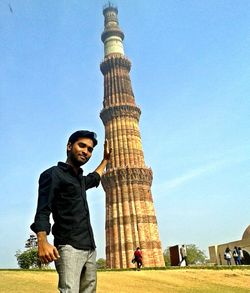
(63, 193)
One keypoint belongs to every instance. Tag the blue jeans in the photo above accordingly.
(76, 269)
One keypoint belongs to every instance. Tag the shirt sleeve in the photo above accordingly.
(92, 180)
(44, 205)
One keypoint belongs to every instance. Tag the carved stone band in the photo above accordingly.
(114, 61)
(127, 175)
(120, 111)
(132, 219)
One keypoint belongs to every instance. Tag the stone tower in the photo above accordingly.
(130, 214)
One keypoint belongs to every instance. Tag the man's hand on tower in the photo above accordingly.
(106, 157)
(107, 150)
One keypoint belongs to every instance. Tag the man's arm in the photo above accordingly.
(41, 225)
(106, 157)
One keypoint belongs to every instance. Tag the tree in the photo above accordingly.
(101, 263)
(29, 258)
(166, 255)
(31, 242)
(195, 255)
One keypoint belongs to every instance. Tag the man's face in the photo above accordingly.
(80, 152)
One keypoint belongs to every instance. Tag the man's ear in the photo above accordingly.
(69, 146)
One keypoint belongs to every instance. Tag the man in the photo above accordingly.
(62, 192)
(138, 258)
(183, 252)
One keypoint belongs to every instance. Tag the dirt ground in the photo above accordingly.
(167, 281)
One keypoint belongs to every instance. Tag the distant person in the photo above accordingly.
(228, 256)
(183, 252)
(138, 258)
(236, 256)
(62, 192)
(241, 255)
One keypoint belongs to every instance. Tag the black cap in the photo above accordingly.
(83, 133)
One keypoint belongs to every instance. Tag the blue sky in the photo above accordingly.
(190, 76)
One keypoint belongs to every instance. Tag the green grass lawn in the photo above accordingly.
(146, 281)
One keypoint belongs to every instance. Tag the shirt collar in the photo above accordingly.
(66, 167)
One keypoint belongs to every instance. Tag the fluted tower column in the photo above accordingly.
(130, 214)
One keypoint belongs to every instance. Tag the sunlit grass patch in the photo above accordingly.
(146, 281)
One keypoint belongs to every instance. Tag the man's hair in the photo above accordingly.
(82, 134)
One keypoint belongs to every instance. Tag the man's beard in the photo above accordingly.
(76, 161)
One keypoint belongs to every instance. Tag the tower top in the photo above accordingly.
(112, 35)
(111, 7)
